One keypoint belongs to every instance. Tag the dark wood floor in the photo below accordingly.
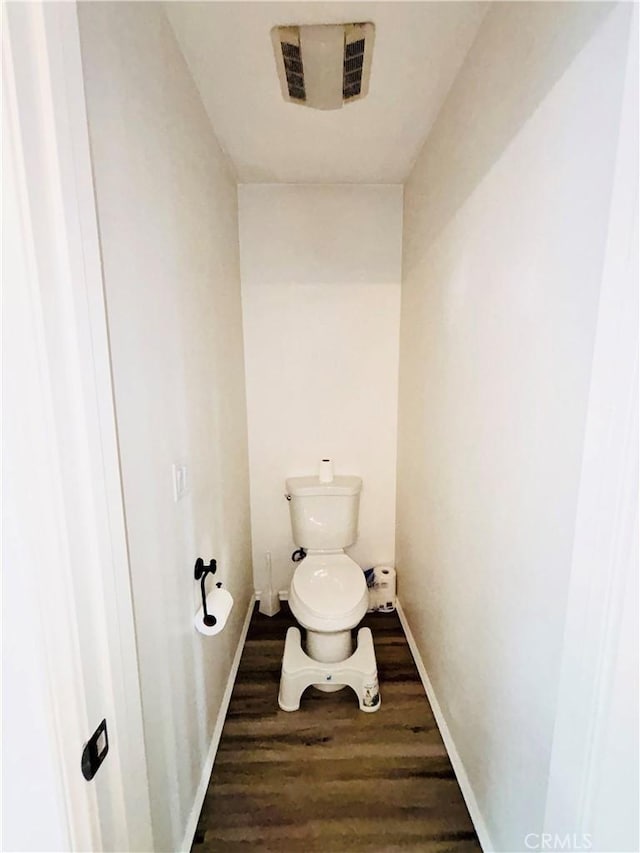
(329, 777)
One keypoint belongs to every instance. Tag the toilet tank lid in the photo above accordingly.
(307, 486)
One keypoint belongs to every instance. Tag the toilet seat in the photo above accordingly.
(328, 592)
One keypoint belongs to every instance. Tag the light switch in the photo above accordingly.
(180, 481)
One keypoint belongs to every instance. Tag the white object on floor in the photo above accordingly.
(269, 600)
(219, 604)
(382, 594)
(299, 671)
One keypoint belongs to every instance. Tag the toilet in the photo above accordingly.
(328, 596)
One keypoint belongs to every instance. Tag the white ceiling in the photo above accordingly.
(419, 47)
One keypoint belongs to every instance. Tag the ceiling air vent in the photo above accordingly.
(324, 66)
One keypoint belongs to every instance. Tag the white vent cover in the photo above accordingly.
(324, 66)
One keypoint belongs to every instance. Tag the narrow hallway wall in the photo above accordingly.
(321, 304)
(506, 217)
(167, 208)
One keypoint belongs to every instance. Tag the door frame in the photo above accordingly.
(87, 568)
(605, 550)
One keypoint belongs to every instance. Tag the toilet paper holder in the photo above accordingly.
(200, 572)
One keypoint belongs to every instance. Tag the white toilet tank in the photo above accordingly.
(324, 516)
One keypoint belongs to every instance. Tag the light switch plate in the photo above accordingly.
(180, 481)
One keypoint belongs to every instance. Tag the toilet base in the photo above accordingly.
(325, 647)
(299, 671)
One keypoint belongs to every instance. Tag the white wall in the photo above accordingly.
(506, 215)
(321, 299)
(167, 210)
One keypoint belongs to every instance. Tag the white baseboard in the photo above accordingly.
(454, 756)
(192, 822)
(283, 594)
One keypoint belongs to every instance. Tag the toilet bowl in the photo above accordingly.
(328, 597)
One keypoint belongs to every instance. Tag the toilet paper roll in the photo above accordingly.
(382, 595)
(219, 604)
(326, 471)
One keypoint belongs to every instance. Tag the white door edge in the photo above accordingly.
(605, 542)
(86, 582)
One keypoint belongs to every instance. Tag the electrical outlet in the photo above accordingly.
(180, 481)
